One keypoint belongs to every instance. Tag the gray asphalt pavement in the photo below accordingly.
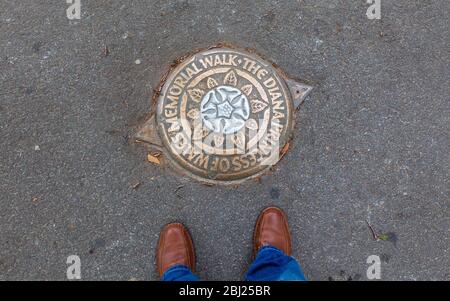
(371, 145)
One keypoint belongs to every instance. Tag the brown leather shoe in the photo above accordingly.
(272, 229)
(174, 247)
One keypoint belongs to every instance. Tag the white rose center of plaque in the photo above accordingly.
(224, 110)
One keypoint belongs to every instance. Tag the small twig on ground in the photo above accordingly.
(177, 189)
(136, 185)
(105, 51)
(374, 234)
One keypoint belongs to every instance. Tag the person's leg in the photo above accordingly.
(179, 273)
(175, 256)
(272, 249)
(271, 264)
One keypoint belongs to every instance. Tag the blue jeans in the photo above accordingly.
(270, 264)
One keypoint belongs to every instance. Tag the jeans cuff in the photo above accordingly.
(271, 248)
(178, 267)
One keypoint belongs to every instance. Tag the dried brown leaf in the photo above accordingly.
(152, 159)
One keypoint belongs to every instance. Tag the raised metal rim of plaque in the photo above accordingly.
(223, 115)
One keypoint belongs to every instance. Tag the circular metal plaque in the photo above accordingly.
(223, 115)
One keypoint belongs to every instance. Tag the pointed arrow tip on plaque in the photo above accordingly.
(299, 91)
(149, 133)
